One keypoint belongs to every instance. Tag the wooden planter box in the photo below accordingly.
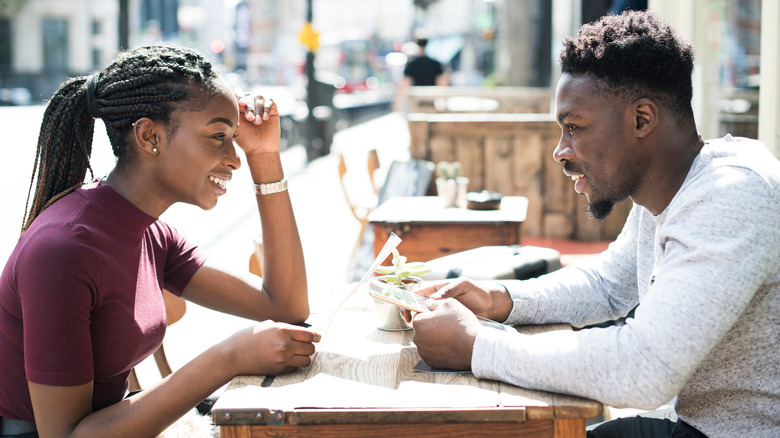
(512, 154)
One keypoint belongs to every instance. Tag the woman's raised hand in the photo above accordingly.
(258, 126)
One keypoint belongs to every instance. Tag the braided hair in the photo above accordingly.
(634, 54)
(152, 81)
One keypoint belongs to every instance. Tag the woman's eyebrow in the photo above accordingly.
(220, 120)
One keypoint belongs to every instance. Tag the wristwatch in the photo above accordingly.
(271, 188)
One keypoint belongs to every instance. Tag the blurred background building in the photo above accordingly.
(362, 46)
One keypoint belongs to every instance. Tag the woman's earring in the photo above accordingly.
(154, 150)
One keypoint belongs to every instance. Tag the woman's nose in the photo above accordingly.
(232, 159)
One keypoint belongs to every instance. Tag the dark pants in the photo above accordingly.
(644, 427)
(17, 429)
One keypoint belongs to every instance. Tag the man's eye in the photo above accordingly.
(571, 128)
(220, 137)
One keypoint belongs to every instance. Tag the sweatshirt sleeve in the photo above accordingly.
(713, 251)
(582, 294)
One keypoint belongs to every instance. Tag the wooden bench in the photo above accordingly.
(512, 154)
(479, 99)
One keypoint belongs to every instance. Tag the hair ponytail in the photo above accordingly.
(64, 148)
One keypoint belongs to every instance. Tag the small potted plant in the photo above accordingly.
(403, 275)
(450, 186)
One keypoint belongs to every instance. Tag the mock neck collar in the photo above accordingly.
(132, 219)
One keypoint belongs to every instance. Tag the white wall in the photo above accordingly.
(769, 97)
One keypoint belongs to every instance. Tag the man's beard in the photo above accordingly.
(603, 203)
(600, 209)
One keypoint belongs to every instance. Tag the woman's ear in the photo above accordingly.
(147, 133)
(645, 116)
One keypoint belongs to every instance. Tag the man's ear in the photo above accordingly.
(147, 134)
(645, 116)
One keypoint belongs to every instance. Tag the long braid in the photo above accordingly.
(151, 81)
(62, 157)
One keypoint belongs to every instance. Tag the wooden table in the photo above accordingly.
(362, 384)
(430, 231)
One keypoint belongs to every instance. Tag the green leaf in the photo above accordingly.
(393, 279)
(384, 270)
(420, 272)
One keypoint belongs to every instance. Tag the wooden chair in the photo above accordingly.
(412, 177)
(175, 308)
(360, 209)
(256, 259)
(373, 166)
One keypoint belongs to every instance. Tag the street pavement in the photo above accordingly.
(328, 230)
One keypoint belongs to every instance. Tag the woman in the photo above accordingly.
(81, 295)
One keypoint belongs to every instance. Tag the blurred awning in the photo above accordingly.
(443, 49)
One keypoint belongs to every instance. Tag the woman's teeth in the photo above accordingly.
(219, 181)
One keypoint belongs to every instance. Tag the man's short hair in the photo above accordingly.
(422, 42)
(636, 54)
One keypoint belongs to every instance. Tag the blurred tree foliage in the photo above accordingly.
(9, 7)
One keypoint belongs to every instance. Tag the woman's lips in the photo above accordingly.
(220, 182)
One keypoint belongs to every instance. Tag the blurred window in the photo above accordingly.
(55, 44)
(5, 46)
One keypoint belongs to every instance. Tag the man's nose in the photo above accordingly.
(562, 151)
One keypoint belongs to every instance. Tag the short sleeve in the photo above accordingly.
(182, 258)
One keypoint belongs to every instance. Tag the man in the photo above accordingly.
(698, 256)
(423, 70)
(420, 71)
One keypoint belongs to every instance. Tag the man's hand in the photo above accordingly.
(484, 299)
(445, 336)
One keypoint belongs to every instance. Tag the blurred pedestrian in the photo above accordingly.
(420, 71)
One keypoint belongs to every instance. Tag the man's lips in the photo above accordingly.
(579, 179)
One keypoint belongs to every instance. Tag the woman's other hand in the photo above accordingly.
(271, 348)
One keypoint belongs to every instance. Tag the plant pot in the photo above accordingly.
(453, 191)
(388, 316)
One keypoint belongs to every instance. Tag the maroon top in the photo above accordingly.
(81, 296)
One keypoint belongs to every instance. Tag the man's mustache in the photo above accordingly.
(568, 167)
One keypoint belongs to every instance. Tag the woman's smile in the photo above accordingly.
(220, 181)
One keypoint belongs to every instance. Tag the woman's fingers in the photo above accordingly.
(256, 108)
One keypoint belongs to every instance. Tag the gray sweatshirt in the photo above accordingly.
(707, 274)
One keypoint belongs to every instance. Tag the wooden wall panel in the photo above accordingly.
(469, 151)
(512, 154)
(499, 164)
